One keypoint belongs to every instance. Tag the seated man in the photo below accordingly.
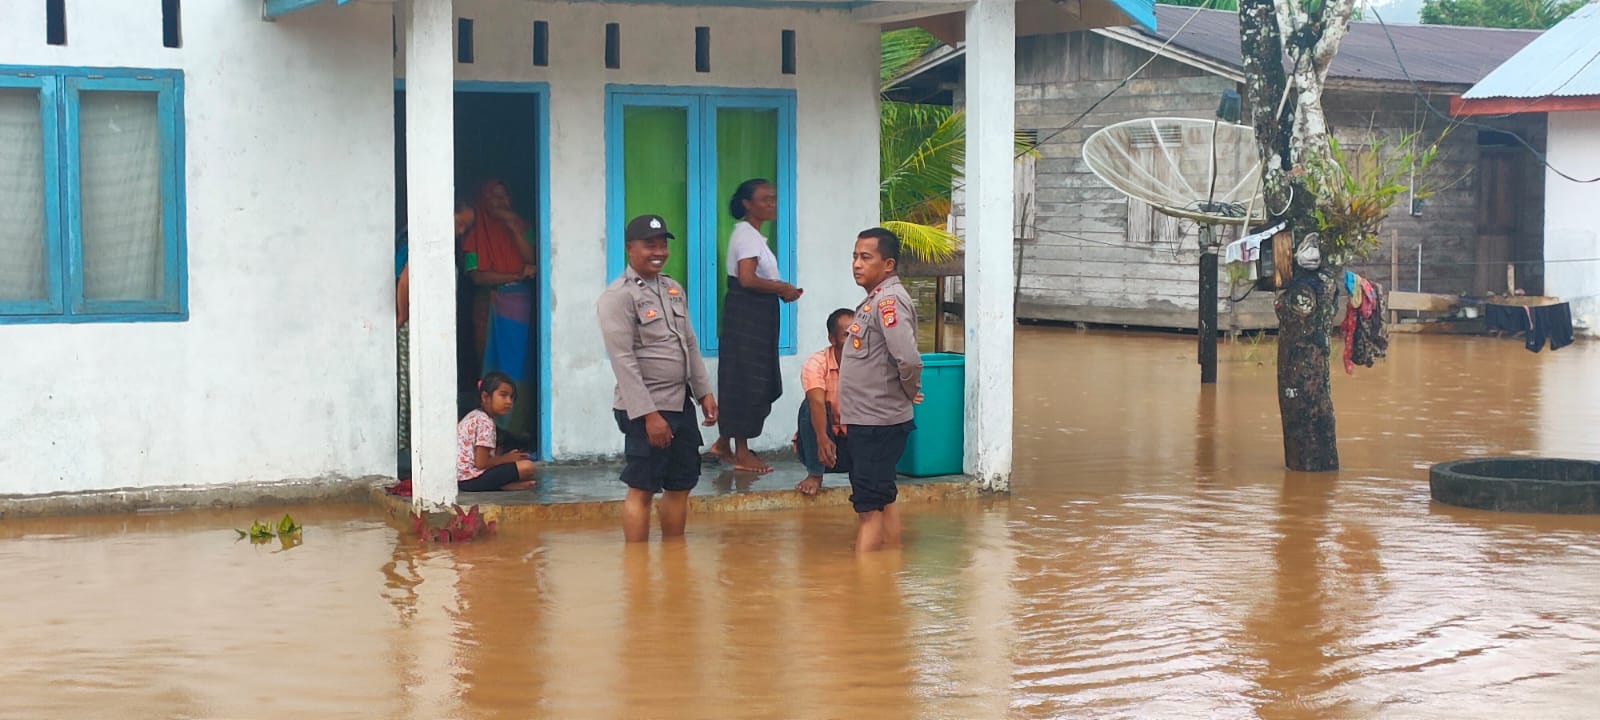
(820, 439)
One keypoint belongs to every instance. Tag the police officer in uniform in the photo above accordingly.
(880, 378)
(644, 319)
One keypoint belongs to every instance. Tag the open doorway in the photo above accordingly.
(498, 322)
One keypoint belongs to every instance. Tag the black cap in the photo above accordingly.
(646, 227)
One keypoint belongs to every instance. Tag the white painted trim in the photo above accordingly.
(430, 173)
(991, 107)
(883, 13)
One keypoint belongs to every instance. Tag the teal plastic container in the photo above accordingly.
(936, 446)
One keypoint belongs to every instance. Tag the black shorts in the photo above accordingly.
(874, 451)
(492, 479)
(674, 468)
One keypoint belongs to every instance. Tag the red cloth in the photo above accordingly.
(490, 238)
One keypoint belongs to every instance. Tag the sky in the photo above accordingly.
(1398, 12)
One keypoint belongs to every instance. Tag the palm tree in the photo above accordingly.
(920, 151)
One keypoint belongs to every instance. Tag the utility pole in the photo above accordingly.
(1208, 306)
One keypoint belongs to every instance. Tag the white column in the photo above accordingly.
(991, 126)
(430, 192)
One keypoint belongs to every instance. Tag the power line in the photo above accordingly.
(1041, 141)
(1417, 89)
(1153, 57)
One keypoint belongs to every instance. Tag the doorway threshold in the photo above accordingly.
(592, 491)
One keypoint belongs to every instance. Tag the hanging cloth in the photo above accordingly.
(1366, 332)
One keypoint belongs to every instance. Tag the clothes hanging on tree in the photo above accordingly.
(1366, 329)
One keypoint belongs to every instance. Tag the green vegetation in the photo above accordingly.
(288, 532)
(920, 151)
(1513, 14)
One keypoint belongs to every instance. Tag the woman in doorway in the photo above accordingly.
(747, 365)
(500, 262)
(465, 216)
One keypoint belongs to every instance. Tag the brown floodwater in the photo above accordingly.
(1154, 560)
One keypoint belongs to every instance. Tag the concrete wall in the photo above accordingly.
(285, 367)
(837, 164)
(1571, 242)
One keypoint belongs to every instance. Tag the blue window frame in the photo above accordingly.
(705, 212)
(96, 232)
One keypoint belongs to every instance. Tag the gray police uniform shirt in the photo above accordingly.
(653, 349)
(880, 370)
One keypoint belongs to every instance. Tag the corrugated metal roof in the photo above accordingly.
(1561, 63)
(1432, 53)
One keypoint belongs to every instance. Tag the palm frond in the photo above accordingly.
(899, 49)
(920, 150)
(928, 243)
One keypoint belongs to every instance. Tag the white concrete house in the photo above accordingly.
(1555, 75)
(197, 212)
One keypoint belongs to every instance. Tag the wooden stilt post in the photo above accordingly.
(938, 314)
(1394, 269)
(1208, 307)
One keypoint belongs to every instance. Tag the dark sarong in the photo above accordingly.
(1506, 318)
(748, 379)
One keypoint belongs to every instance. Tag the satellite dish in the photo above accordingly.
(1201, 170)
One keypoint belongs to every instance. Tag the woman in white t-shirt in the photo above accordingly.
(748, 378)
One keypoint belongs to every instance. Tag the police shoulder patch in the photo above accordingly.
(888, 314)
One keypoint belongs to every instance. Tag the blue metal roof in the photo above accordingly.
(1559, 63)
(272, 9)
(1142, 12)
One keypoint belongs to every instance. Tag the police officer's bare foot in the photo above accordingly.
(809, 486)
(519, 485)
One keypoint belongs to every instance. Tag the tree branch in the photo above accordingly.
(1331, 35)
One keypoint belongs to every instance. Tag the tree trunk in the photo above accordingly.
(1306, 312)
(1285, 110)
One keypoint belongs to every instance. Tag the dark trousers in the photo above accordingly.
(674, 468)
(1549, 321)
(874, 452)
(808, 446)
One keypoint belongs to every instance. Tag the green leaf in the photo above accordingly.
(287, 525)
(929, 243)
(899, 49)
(260, 531)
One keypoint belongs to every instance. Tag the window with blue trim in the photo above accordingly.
(679, 152)
(91, 195)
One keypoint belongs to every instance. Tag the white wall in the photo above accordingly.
(837, 156)
(285, 368)
(1570, 232)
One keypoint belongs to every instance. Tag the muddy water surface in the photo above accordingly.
(1154, 560)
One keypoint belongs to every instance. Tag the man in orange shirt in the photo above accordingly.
(820, 440)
